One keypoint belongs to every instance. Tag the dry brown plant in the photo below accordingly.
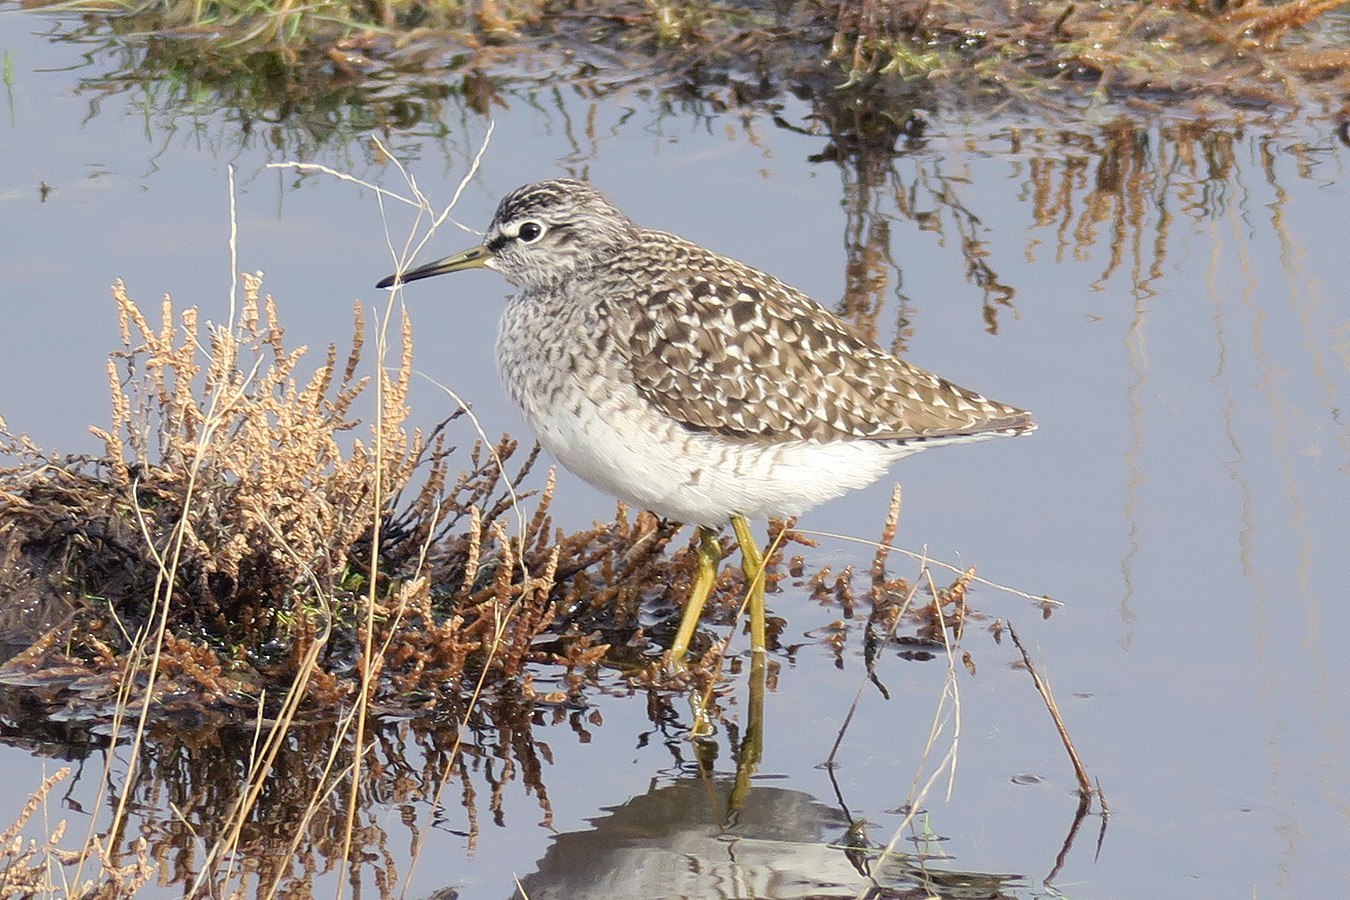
(218, 566)
(29, 868)
(1123, 188)
(237, 556)
(272, 500)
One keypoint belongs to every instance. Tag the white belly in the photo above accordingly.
(625, 449)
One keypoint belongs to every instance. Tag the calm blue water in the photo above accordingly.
(1178, 323)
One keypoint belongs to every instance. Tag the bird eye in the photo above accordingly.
(529, 232)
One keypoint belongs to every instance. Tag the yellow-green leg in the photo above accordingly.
(752, 746)
(752, 560)
(709, 557)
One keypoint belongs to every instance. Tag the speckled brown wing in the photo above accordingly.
(725, 348)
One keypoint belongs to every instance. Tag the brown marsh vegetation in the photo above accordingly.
(249, 585)
(366, 65)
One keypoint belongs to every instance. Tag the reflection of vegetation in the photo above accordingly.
(291, 103)
(875, 146)
(448, 774)
(190, 781)
(1120, 186)
(1124, 187)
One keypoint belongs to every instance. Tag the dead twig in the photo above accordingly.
(1084, 782)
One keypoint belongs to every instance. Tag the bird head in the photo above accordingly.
(541, 235)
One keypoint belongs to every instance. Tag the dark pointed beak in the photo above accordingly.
(473, 258)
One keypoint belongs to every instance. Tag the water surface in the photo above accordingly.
(1166, 296)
